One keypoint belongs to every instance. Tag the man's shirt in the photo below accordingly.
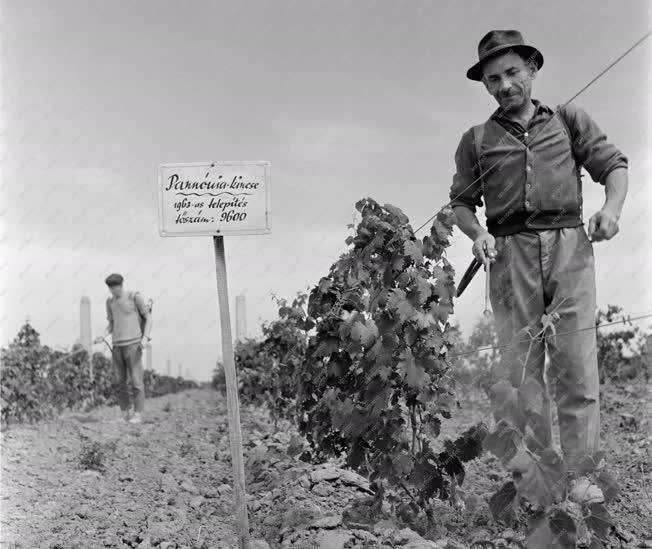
(542, 114)
(529, 176)
(124, 317)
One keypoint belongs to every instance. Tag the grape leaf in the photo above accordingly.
(504, 504)
(403, 464)
(439, 232)
(539, 477)
(423, 320)
(468, 445)
(410, 334)
(424, 290)
(556, 531)
(399, 304)
(401, 217)
(452, 465)
(504, 441)
(428, 247)
(431, 425)
(412, 249)
(433, 340)
(505, 403)
(598, 520)
(325, 285)
(403, 280)
(365, 334)
(539, 535)
(328, 346)
(414, 376)
(441, 311)
(307, 324)
(427, 476)
(608, 484)
(563, 529)
(590, 463)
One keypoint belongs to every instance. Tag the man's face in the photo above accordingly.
(116, 291)
(509, 79)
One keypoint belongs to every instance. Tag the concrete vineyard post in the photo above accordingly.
(85, 337)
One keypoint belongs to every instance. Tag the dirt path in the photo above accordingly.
(166, 483)
(161, 477)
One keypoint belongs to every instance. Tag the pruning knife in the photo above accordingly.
(468, 276)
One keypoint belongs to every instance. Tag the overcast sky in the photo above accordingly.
(345, 99)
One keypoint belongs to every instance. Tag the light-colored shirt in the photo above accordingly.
(125, 316)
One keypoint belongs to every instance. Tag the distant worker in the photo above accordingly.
(130, 323)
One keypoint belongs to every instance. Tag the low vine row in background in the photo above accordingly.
(39, 382)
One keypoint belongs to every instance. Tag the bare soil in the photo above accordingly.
(90, 480)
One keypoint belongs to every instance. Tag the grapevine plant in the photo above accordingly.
(375, 381)
(564, 508)
(38, 382)
(267, 367)
(254, 369)
(285, 341)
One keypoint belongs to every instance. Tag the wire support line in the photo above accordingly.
(502, 160)
(513, 343)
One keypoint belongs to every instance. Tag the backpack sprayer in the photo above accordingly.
(150, 303)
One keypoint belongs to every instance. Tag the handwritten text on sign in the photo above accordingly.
(214, 198)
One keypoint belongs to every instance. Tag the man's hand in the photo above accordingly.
(144, 342)
(98, 339)
(603, 225)
(484, 248)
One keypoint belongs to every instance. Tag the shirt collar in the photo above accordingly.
(539, 108)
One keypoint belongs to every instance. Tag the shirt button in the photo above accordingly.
(527, 203)
(526, 134)
(528, 168)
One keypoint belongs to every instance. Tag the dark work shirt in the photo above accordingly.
(542, 114)
(529, 177)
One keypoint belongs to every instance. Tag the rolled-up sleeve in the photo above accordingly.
(598, 156)
(141, 305)
(466, 189)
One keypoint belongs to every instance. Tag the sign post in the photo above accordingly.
(232, 403)
(217, 199)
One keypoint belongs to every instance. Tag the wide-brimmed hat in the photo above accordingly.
(500, 41)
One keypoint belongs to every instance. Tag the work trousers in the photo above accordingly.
(128, 364)
(548, 271)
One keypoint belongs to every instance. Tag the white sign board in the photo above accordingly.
(214, 198)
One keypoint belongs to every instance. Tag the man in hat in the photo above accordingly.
(126, 313)
(525, 162)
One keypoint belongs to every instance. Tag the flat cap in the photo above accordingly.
(114, 279)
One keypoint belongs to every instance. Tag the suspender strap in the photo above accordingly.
(478, 136)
